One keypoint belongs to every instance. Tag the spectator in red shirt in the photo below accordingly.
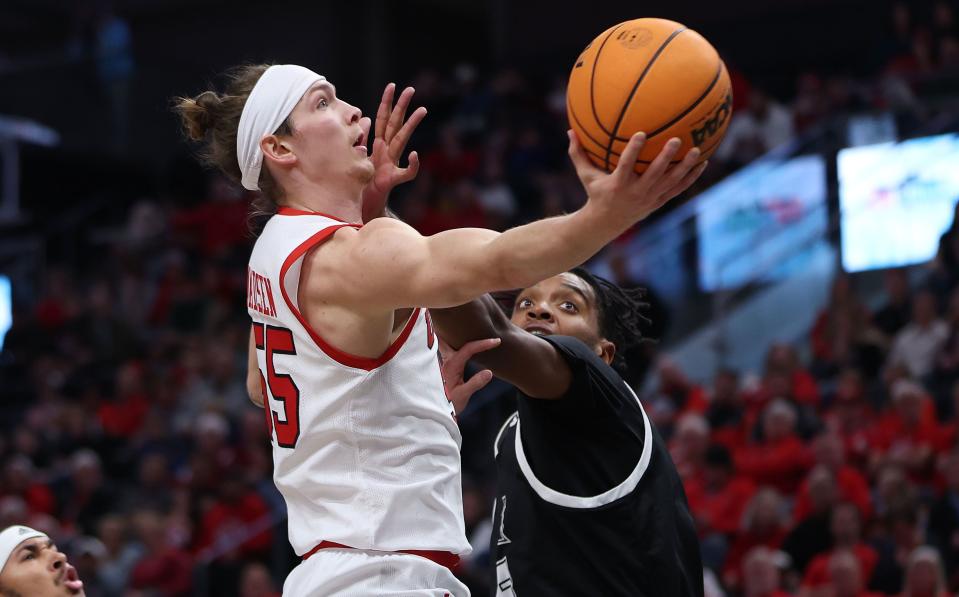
(165, 569)
(782, 360)
(853, 487)
(924, 576)
(761, 573)
(811, 536)
(218, 224)
(780, 459)
(907, 435)
(237, 525)
(450, 206)
(450, 162)
(719, 497)
(846, 536)
(725, 412)
(949, 431)
(842, 329)
(689, 444)
(845, 577)
(851, 417)
(123, 416)
(19, 479)
(764, 523)
(675, 396)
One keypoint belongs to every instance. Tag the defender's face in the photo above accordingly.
(327, 138)
(564, 305)
(38, 569)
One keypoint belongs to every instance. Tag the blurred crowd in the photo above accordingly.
(836, 476)
(126, 433)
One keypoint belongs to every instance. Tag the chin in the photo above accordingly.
(364, 172)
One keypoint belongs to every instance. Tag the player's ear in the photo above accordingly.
(606, 350)
(278, 150)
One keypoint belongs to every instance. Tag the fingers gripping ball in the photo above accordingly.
(649, 75)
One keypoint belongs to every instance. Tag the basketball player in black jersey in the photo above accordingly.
(588, 502)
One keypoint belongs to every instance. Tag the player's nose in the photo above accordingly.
(57, 560)
(354, 114)
(541, 311)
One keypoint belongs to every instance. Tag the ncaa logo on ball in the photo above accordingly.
(713, 122)
(634, 38)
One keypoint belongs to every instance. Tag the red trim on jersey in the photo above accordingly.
(344, 358)
(443, 558)
(289, 211)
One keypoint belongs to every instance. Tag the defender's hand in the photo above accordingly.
(454, 361)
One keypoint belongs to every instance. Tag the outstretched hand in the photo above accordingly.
(633, 196)
(391, 134)
(454, 362)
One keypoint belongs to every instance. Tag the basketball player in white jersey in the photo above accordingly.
(365, 444)
(32, 566)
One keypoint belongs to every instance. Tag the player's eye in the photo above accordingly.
(323, 103)
(569, 306)
(525, 303)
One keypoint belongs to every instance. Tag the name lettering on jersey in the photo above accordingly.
(259, 293)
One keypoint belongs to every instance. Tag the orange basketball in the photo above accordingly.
(649, 75)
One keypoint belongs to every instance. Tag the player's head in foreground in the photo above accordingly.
(281, 129)
(576, 303)
(31, 566)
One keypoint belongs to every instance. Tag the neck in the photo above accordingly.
(342, 199)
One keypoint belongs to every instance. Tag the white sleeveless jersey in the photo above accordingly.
(365, 451)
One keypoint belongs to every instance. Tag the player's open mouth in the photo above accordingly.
(71, 579)
(358, 144)
(539, 331)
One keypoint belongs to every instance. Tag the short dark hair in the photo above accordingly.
(620, 314)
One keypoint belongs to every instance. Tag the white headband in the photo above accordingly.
(273, 98)
(13, 536)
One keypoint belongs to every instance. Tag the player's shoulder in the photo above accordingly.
(381, 241)
(578, 353)
(587, 368)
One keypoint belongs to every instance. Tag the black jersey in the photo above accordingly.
(589, 502)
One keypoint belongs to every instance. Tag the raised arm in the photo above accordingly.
(528, 362)
(388, 265)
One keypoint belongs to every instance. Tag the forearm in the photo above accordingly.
(531, 253)
(477, 261)
(529, 363)
(478, 319)
(388, 265)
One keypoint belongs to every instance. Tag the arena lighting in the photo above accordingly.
(6, 308)
(895, 200)
(13, 131)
